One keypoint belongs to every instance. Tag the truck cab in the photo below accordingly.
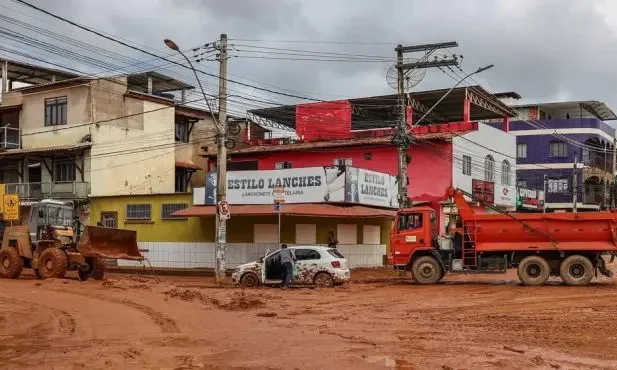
(414, 234)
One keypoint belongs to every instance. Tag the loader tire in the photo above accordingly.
(52, 263)
(427, 270)
(533, 270)
(576, 270)
(98, 271)
(11, 263)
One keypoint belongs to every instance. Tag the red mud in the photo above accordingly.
(378, 321)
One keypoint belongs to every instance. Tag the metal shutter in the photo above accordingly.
(265, 233)
(347, 233)
(371, 234)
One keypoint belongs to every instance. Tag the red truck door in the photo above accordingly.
(410, 234)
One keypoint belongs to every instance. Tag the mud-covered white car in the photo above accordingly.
(315, 265)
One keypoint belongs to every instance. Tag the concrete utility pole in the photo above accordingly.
(221, 169)
(221, 178)
(402, 137)
(575, 184)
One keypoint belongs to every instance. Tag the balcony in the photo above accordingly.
(33, 191)
(10, 138)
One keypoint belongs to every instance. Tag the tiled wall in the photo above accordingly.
(201, 255)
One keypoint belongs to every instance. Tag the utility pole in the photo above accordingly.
(544, 183)
(575, 184)
(402, 137)
(613, 174)
(221, 178)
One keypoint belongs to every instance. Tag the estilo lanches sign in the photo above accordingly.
(308, 185)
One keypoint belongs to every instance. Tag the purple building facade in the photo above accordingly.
(567, 149)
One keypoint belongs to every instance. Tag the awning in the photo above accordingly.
(67, 149)
(308, 210)
(188, 165)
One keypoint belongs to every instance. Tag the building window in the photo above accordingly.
(522, 184)
(489, 168)
(109, 219)
(521, 151)
(506, 173)
(558, 185)
(55, 111)
(64, 171)
(342, 162)
(282, 165)
(467, 165)
(139, 212)
(558, 149)
(182, 130)
(168, 208)
(182, 180)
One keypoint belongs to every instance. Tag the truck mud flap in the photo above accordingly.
(104, 242)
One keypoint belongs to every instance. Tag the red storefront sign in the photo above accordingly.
(483, 191)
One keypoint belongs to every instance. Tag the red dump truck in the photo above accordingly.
(538, 245)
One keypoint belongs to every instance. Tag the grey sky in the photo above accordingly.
(544, 50)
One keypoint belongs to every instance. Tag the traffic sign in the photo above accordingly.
(10, 207)
(279, 194)
(224, 211)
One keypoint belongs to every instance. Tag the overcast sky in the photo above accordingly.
(545, 50)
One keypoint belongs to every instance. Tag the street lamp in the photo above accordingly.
(221, 168)
(479, 70)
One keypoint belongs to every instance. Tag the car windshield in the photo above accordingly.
(335, 253)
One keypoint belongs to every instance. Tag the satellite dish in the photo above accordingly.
(412, 77)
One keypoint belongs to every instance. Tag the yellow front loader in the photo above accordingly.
(53, 243)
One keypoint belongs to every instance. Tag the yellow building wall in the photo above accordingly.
(192, 229)
(240, 229)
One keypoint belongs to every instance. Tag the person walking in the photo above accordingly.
(288, 258)
(332, 241)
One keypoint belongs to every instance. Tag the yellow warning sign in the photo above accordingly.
(10, 207)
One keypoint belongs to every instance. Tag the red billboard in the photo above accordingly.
(323, 121)
(483, 191)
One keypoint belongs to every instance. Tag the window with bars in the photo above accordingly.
(506, 173)
(64, 171)
(139, 212)
(282, 165)
(467, 165)
(558, 149)
(489, 168)
(558, 185)
(56, 111)
(168, 208)
(521, 151)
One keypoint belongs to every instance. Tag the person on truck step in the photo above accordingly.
(288, 258)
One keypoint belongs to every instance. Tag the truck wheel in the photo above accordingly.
(11, 263)
(426, 270)
(52, 263)
(533, 270)
(576, 270)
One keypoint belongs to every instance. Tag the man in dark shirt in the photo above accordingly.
(288, 257)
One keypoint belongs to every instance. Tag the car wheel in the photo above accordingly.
(249, 280)
(323, 280)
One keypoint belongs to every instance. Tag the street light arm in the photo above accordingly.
(173, 46)
(479, 70)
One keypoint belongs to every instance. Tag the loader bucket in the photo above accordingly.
(104, 242)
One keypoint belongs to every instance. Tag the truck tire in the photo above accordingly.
(426, 270)
(11, 263)
(52, 263)
(98, 271)
(533, 270)
(576, 270)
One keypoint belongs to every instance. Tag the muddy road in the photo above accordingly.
(379, 321)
